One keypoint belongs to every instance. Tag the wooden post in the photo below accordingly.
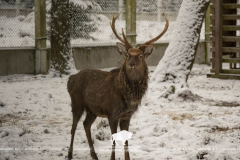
(218, 37)
(121, 9)
(160, 11)
(131, 21)
(207, 36)
(232, 22)
(41, 64)
(213, 33)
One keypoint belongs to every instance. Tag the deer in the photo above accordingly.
(114, 95)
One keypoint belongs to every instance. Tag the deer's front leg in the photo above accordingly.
(113, 125)
(124, 125)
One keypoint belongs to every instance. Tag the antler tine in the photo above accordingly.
(128, 45)
(124, 40)
(160, 35)
(113, 27)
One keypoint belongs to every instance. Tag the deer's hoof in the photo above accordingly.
(69, 155)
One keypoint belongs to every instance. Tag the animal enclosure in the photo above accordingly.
(225, 39)
(19, 32)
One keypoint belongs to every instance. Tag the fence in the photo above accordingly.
(89, 21)
(225, 39)
(16, 23)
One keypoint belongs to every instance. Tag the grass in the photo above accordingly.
(224, 129)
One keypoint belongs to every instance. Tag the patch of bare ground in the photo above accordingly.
(178, 116)
(12, 118)
(181, 116)
(187, 95)
(222, 103)
(223, 129)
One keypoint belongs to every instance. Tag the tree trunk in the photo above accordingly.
(61, 55)
(172, 72)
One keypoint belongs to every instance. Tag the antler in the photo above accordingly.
(160, 35)
(124, 40)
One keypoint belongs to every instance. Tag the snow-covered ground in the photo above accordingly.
(35, 122)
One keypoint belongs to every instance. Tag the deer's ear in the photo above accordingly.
(148, 50)
(122, 49)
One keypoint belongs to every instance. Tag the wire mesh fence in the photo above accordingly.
(16, 23)
(89, 21)
(150, 21)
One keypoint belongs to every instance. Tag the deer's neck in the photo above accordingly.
(132, 91)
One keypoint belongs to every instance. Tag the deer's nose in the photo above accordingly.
(132, 64)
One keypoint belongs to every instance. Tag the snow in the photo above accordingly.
(84, 5)
(174, 67)
(14, 32)
(36, 119)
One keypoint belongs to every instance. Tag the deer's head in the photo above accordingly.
(135, 64)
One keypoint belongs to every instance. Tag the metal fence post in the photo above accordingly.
(41, 65)
(160, 11)
(131, 21)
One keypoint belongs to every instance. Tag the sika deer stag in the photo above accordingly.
(115, 94)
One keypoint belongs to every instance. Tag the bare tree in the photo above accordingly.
(175, 66)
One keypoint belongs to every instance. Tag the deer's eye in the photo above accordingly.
(140, 56)
(127, 56)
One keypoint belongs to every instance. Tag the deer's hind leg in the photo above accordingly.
(90, 118)
(77, 113)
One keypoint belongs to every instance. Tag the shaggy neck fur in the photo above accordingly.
(132, 90)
